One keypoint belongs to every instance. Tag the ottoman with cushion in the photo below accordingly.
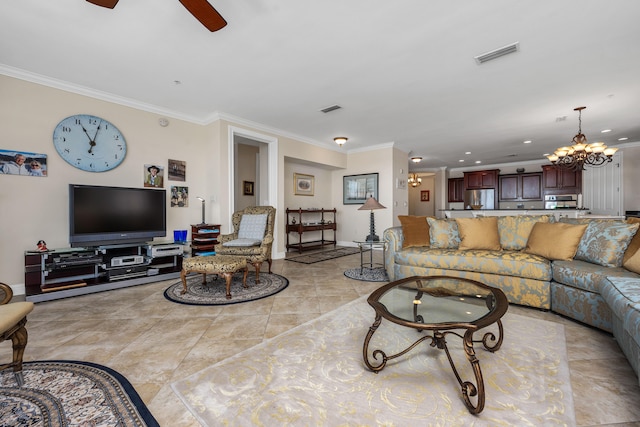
(224, 265)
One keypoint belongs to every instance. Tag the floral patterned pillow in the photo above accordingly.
(605, 242)
(443, 233)
(514, 230)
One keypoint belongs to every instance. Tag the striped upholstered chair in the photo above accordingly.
(252, 236)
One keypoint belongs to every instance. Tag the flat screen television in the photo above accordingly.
(115, 215)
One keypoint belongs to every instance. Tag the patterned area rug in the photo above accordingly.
(314, 375)
(214, 292)
(66, 393)
(378, 274)
(325, 255)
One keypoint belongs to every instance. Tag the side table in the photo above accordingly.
(371, 245)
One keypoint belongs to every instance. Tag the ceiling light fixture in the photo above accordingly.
(416, 159)
(414, 180)
(340, 140)
(580, 153)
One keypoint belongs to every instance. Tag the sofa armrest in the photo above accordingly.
(222, 238)
(393, 238)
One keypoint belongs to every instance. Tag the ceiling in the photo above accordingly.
(403, 72)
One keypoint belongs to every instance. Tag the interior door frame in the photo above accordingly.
(272, 172)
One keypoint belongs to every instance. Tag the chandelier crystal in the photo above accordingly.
(581, 153)
(414, 180)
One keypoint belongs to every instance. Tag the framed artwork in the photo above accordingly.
(303, 185)
(14, 162)
(153, 176)
(179, 197)
(247, 188)
(177, 170)
(424, 195)
(356, 189)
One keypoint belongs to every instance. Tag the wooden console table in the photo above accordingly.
(301, 221)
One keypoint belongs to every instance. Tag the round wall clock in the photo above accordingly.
(89, 143)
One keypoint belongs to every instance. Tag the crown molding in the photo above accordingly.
(96, 94)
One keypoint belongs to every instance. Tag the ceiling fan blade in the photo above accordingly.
(205, 13)
(105, 3)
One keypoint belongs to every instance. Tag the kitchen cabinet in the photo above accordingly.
(561, 181)
(479, 180)
(456, 190)
(520, 187)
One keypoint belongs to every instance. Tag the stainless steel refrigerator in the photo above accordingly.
(479, 199)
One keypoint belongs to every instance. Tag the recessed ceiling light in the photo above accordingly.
(461, 160)
(624, 138)
(478, 161)
(468, 152)
(527, 142)
(605, 130)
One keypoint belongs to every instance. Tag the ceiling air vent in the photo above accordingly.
(495, 54)
(330, 108)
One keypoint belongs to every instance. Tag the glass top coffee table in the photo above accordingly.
(444, 306)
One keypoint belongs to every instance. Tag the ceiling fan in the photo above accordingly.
(201, 9)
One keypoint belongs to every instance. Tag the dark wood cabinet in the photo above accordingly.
(479, 180)
(561, 181)
(456, 190)
(520, 187)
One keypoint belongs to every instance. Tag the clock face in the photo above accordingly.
(89, 143)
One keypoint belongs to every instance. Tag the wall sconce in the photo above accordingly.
(340, 140)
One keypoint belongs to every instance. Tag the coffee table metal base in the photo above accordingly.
(438, 340)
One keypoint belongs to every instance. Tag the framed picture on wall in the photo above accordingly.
(247, 188)
(424, 195)
(14, 162)
(303, 185)
(177, 170)
(356, 189)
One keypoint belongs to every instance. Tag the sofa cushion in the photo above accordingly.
(555, 241)
(443, 233)
(506, 263)
(514, 230)
(605, 241)
(585, 275)
(479, 233)
(634, 245)
(415, 230)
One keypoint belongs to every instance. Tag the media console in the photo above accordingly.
(62, 273)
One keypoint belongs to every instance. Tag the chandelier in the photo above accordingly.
(414, 180)
(580, 153)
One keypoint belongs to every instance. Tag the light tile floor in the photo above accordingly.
(154, 342)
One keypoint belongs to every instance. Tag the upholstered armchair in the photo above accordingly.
(13, 317)
(252, 236)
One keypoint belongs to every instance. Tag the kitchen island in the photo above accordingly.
(558, 213)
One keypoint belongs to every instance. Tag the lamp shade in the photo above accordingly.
(371, 204)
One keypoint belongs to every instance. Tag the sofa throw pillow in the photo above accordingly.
(252, 226)
(634, 245)
(633, 263)
(555, 240)
(604, 242)
(415, 230)
(479, 233)
(514, 230)
(443, 233)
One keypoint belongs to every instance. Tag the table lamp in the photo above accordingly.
(202, 200)
(370, 205)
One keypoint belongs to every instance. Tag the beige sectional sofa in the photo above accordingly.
(587, 270)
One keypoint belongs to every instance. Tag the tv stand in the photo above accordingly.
(67, 272)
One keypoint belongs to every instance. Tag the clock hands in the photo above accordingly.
(93, 141)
